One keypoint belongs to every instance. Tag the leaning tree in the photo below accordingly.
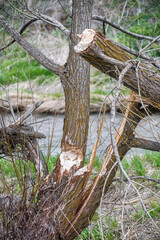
(62, 204)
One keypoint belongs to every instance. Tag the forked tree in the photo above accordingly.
(66, 200)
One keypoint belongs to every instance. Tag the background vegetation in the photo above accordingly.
(17, 66)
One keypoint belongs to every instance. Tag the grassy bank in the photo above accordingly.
(120, 200)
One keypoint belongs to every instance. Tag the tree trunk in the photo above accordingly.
(75, 78)
(142, 78)
(66, 202)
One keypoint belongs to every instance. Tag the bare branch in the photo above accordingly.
(115, 147)
(34, 52)
(9, 103)
(52, 21)
(21, 31)
(148, 45)
(139, 36)
(24, 135)
(137, 178)
(27, 114)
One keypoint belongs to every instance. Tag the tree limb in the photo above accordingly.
(98, 51)
(137, 54)
(145, 144)
(21, 31)
(27, 114)
(24, 135)
(34, 52)
(52, 21)
(139, 36)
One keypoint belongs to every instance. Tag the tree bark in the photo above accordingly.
(75, 77)
(66, 202)
(91, 196)
(142, 78)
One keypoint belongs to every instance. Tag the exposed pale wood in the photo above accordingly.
(69, 161)
(91, 196)
(110, 59)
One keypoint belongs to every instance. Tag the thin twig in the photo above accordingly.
(21, 31)
(115, 148)
(137, 178)
(27, 114)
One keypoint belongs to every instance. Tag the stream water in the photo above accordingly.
(148, 128)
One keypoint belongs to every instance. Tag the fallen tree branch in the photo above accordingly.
(27, 114)
(115, 146)
(97, 51)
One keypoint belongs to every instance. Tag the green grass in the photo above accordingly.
(153, 158)
(57, 95)
(8, 169)
(18, 66)
(137, 165)
(102, 78)
(97, 162)
(100, 91)
(153, 209)
(125, 91)
(96, 99)
(51, 162)
(88, 233)
(110, 231)
(148, 24)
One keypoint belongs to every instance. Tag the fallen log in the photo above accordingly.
(143, 78)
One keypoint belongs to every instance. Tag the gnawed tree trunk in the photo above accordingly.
(66, 200)
(75, 77)
(70, 208)
(110, 59)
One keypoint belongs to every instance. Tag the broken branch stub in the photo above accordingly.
(111, 59)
